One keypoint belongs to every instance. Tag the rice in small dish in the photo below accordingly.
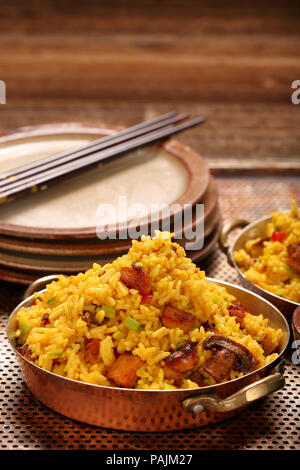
(148, 320)
(273, 261)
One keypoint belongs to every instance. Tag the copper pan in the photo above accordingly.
(249, 232)
(155, 410)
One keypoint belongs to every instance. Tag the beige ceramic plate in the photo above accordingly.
(67, 264)
(26, 273)
(91, 246)
(168, 173)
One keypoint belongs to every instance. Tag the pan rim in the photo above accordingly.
(209, 388)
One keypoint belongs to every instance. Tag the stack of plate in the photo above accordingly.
(56, 231)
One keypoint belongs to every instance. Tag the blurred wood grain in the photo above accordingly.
(123, 61)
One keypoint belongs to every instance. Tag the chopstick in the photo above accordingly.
(100, 144)
(91, 161)
(104, 142)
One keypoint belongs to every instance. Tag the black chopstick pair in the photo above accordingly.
(37, 175)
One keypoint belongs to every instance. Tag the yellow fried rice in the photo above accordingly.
(59, 346)
(266, 263)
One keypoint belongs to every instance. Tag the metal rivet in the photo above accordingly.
(197, 409)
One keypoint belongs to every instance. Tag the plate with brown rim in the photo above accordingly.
(30, 262)
(170, 173)
(24, 276)
(95, 246)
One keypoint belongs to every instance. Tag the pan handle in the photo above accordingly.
(223, 238)
(247, 395)
(39, 284)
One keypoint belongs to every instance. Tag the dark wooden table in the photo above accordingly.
(123, 61)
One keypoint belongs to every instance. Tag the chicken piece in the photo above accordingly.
(171, 374)
(198, 378)
(238, 311)
(136, 278)
(220, 364)
(91, 351)
(172, 317)
(124, 369)
(294, 257)
(180, 362)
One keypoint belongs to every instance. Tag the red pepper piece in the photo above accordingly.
(146, 298)
(278, 236)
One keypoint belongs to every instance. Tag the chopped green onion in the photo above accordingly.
(277, 228)
(24, 327)
(197, 324)
(132, 324)
(290, 270)
(55, 352)
(109, 311)
(118, 335)
(215, 299)
(180, 345)
(50, 301)
(170, 387)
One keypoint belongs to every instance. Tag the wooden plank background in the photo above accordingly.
(123, 61)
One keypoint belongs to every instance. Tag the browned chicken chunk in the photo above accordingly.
(172, 317)
(136, 278)
(198, 378)
(180, 362)
(171, 374)
(91, 352)
(124, 369)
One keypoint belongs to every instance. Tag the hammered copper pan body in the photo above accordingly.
(249, 232)
(156, 410)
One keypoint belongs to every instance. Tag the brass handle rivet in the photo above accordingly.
(197, 409)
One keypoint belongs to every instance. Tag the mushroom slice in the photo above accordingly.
(220, 364)
(239, 357)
